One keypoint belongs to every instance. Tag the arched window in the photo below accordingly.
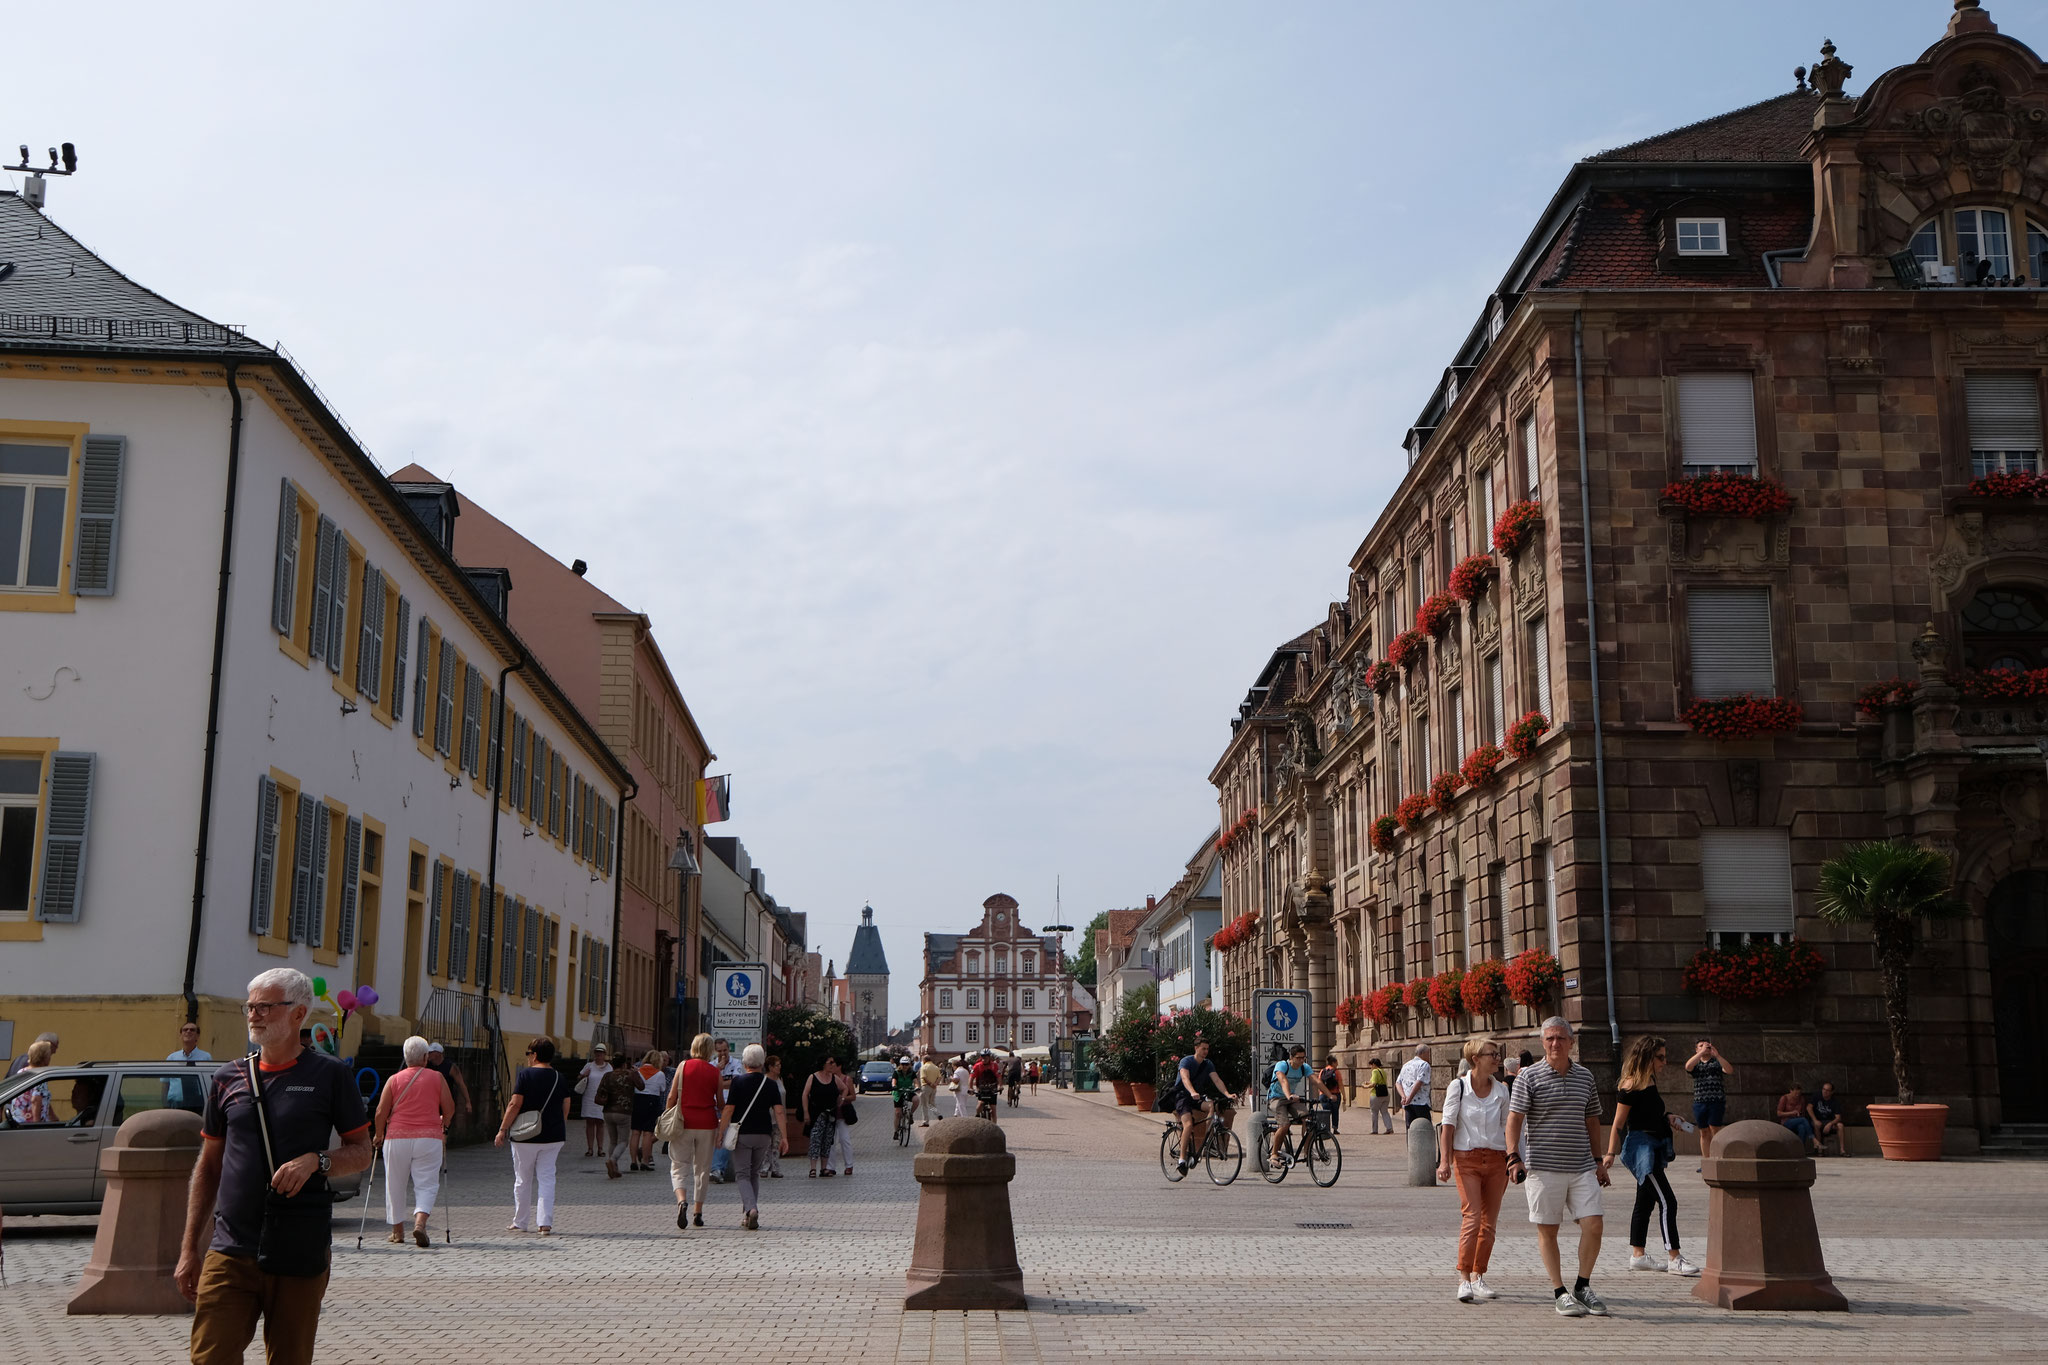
(1926, 244)
(2005, 628)
(1982, 235)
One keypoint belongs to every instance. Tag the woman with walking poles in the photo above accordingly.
(1641, 1138)
(1475, 1149)
(412, 1120)
(536, 1122)
(695, 1098)
(752, 1119)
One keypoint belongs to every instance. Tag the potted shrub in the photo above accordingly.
(1132, 1038)
(1889, 885)
(1228, 1035)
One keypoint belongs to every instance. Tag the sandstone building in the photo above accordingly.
(997, 986)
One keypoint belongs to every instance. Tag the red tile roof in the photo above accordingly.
(1611, 242)
(1771, 131)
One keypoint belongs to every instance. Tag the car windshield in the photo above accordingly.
(878, 1069)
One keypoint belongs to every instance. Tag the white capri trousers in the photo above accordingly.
(421, 1159)
(533, 1182)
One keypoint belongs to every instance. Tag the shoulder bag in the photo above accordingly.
(297, 1228)
(526, 1128)
(732, 1130)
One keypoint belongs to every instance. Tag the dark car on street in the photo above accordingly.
(876, 1076)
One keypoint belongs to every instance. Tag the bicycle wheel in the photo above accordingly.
(1325, 1160)
(1225, 1156)
(1275, 1169)
(1169, 1155)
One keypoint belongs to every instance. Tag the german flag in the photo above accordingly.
(714, 799)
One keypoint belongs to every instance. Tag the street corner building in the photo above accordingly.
(225, 631)
(997, 986)
(1723, 541)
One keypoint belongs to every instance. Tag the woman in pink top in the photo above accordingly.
(695, 1094)
(413, 1115)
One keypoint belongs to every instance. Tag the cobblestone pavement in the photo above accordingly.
(1939, 1261)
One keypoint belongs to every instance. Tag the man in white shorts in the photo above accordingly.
(1553, 1132)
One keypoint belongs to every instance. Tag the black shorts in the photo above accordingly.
(646, 1109)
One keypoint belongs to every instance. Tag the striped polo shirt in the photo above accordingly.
(1554, 1108)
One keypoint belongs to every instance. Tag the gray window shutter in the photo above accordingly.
(518, 765)
(1747, 877)
(337, 618)
(555, 795)
(472, 719)
(508, 951)
(400, 637)
(2005, 423)
(323, 588)
(302, 870)
(370, 644)
(434, 910)
(532, 966)
(99, 516)
(66, 823)
(486, 930)
(421, 664)
(589, 841)
(263, 883)
(316, 914)
(539, 779)
(444, 701)
(1731, 641)
(284, 588)
(458, 935)
(1539, 656)
(495, 721)
(351, 871)
(1717, 421)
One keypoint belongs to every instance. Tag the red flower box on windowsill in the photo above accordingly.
(1385, 1005)
(1888, 695)
(1517, 526)
(1741, 717)
(1485, 986)
(1755, 971)
(1729, 495)
(1482, 765)
(1524, 733)
(1443, 792)
(1382, 676)
(1534, 978)
(1412, 811)
(1384, 831)
(1436, 613)
(2006, 684)
(2017, 487)
(1470, 578)
(1407, 648)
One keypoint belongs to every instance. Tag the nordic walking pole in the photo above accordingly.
(368, 1190)
(448, 1218)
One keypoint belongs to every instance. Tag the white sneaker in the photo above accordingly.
(1678, 1265)
(1644, 1263)
(1464, 1291)
(1479, 1289)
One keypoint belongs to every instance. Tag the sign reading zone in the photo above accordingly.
(1280, 1021)
(739, 1002)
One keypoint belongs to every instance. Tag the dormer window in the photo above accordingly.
(1703, 237)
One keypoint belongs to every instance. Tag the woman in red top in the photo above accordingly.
(696, 1094)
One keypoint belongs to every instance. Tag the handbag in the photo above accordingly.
(297, 1228)
(665, 1126)
(847, 1115)
(732, 1130)
(527, 1126)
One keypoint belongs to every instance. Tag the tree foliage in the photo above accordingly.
(803, 1038)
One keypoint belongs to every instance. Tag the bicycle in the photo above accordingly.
(1221, 1154)
(903, 1112)
(1014, 1088)
(985, 1106)
(1311, 1143)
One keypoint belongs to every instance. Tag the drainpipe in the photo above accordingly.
(618, 895)
(497, 795)
(220, 644)
(1593, 653)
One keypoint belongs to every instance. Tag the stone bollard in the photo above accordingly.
(1763, 1249)
(142, 1219)
(965, 1255)
(1422, 1153)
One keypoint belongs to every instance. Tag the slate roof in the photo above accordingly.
(1611, 242)
(61, 292)
(939, 951)
(867, 958)
(1770, 131)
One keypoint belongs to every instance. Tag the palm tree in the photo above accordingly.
(1890, 885)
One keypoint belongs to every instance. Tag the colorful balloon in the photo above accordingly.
(366, 996)
(345, 998)
(319, 986)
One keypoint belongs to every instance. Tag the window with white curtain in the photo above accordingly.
(1717, 422)
(1496, 701)
(1746, 875)
(1731, 641)
(2005, 423)
(1539, 669)
(1533, 487)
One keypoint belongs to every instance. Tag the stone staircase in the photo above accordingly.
(2017, 1139)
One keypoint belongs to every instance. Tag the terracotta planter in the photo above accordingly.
(1144, 1094)
(1909, 1132)
(1124, 1094)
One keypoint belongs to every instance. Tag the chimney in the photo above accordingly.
(579, 568)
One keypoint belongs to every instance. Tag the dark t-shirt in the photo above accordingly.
(533, 1087)
(1195, 1074)
(305, 1103)
(1645, 1111)
(760, 1120)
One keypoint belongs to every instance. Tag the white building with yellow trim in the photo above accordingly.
(252, 712)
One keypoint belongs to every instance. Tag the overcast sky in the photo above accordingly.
(972, 395)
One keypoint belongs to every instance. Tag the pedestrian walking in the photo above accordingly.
(187, 1092)
(33, 1104)
(1826, 1117)
(646, 1108)
(1475, 1150)
(265, 1160)
(1555, 1108)
(695, 1097)
(752, 1120)
(413, 1115)
(849, 1095)
(1331, 1080)
(1710, 1072)
(929, 1079)
(962, 1079)
(774, 1073)
(1413, 1086)
(819, 1114)
(1377, 1103)
(438, 1058)
(22, 1063)
(537, 1093)
(1792, 1113)
(1641, 1139)
(587, 1082)
(729, 1070)
(1031, 1078)
(616, 1096)
(1509, 1069)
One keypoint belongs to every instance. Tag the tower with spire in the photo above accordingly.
(867, 979)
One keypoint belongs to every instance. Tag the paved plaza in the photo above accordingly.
(1941, 1261)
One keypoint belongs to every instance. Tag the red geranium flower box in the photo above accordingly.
(1443, 792)
(1383, 832)
(1385, 1005)
(1412, 811)
(1407, 648)
(1534, 978)
(1382, 676)
(1350, 1011)
(1517, 526)
(1755, 971)
(1884, 696)
(1436, 613)
(1447, 993)
(1416, 995)
(2006, 684)
(1482, 765)
(2009, 486)
(1742, 716)
(1485, 987)
(1729, 495)
(1524, 733)
(1470, 577)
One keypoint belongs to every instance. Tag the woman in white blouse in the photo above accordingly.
(1475, 1145)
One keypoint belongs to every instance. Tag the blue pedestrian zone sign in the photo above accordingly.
(739, 998)
(1280, 1016)
(1280, 1021)
(738, 986)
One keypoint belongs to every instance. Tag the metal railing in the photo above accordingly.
(68, 327)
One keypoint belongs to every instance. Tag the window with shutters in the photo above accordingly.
(1717, 422)
(1729, 630)
(1547, 869)
(284, 586)
(350, 890)
(317, 906)
(1454, 708)
(547, 967)
(324, 536)
(556, 795)
(1496, 701)
(437, 909)
(518, 784)
(458, 929)
(35, 501)
(344, 619)
(1532, 465)
(45, 821)
(423, 664)
(538, 804)
(263, 881)
(512, 920)
(370, 635)
(529, 980)
(485, 910)
(1746, 876)
(444, 698)
(2005, 423)
(472, 718)
(588, 846)
(1422, 754)
(1537, 634)
(494, 730)
(400, 639)
(301, 821)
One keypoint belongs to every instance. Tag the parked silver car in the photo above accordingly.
(54, 1121)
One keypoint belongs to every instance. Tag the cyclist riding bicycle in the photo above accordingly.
(1013, 1078)
(1191, 1086)
(903, 1089)
(985, 1079)
(1287, 1096)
